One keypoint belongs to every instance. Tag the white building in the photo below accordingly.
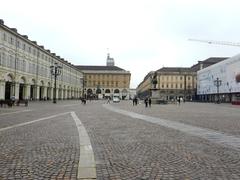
(221, 80)
(25, 69)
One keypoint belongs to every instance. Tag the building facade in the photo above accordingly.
(172, 83)
(25, 70)
(102, 82)
(175, 82)
(220, 82)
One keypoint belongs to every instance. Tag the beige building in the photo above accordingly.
(105, 81)
(172, 83)
(175, 82)
(25, 69)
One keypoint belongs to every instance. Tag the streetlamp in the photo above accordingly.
(230, 90)
(218, 83)
(55, 71)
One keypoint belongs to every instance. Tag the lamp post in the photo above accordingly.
(230, 90)
(55, 71)
(218, 83)
(230, 95)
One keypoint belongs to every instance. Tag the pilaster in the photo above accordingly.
(2, 89)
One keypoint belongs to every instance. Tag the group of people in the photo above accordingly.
(135, 101)
(148, 102)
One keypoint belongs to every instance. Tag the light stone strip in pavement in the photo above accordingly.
(31, 122)
(220, 138)
(71, 105)
(15, 112)
(87, 165)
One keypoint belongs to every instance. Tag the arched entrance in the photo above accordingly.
(107, 93)
(22, 88)
(98, 91)
(116, 91)
(64, 92)
(48, 91)
(124, 93)
(33, 90)
(60, 92)
(89, 93)
(9, 88)
(41, 91)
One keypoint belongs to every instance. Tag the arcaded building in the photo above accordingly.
(25, 69)
(102, 82)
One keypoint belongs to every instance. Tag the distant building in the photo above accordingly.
(175, 82)
(105, 81)
(172, 83)
(208, 62)
(227, 72)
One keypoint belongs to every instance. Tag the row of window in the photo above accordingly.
(175, 78)
(103, 84)
(29, 67)
(31, 50)
(176, 86)
(105, 76)
(21, 45)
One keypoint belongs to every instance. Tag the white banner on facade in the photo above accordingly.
(227, 71)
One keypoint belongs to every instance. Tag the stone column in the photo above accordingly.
(27, 91)
(45, 92)
(37, 93)
(57, 93)
(16, 91)
(51, 93)
(2, 89)
(62, 94)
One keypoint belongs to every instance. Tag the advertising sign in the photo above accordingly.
(227, 71)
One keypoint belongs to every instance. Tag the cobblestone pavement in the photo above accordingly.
(46, 149)
(127, 148)
(124, 147)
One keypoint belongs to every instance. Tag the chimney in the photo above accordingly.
(14, 29)
(1, 22)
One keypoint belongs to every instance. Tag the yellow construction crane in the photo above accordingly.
(217, 42)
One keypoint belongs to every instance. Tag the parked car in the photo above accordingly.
(116, 99)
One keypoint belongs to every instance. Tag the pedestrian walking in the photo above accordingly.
(149, 102)
(179, 101)
(108, 100)
(146, 102)
(135, 101)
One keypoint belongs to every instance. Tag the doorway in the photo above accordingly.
(8, 88)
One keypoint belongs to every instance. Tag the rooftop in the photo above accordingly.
(173, 69)
(99, 68)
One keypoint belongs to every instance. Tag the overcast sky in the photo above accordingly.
(141, 35)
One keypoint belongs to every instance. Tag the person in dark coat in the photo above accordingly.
(146, 102)
(149, 102)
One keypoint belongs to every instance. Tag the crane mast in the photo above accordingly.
(217, 42)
